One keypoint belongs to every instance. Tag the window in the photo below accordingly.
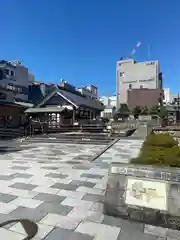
(150, 63)
(6, 71)
(130, 86)
(12, 73)
(2, 96)
(121, 74)
(141, 86)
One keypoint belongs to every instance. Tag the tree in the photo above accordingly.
(163, 113)
(144, 111)
(136, 112)
(154, 110)
(123, 111)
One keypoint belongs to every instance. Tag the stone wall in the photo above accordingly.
(144, 193)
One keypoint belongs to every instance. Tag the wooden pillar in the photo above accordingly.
(73, 115)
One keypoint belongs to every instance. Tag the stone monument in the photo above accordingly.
(144, 193)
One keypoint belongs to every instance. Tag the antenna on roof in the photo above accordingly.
(149, 51)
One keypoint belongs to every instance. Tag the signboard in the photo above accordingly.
(149, 194)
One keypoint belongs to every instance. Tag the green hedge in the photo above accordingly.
(159, 149)
(160, 140)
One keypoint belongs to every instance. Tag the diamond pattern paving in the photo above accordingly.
(56, 186)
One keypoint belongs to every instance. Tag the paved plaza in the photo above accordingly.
(58, 187)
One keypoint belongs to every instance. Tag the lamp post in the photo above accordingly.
(178, 108)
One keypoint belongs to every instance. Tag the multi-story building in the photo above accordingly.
(108, 101)
(31, 78)
(14, 77)
(136, 75)
(144, 97)
(112, 101)
(89, 91)
(110, 106)
(167, 96)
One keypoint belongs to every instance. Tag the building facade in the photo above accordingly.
(90, 91)
(167, 96)
(62, 105)
(108, 101)
(144, 97)
(15, 77)
(136, 75)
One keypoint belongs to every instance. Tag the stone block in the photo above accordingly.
(144, 193)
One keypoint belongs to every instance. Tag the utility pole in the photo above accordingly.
(178, 108)
(149, 52)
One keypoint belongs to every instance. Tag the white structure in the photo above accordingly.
(110, 106)
(14, 76)
(108, 101)
(105, 100)
(112, 101)
(108, 112)
(167, 96)
(134, 75)
(89, 91)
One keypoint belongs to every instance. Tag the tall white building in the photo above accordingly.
(134, 75)
(167, 95)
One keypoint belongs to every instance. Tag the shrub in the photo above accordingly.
(159, 149)
(159, 156)
(160, 140)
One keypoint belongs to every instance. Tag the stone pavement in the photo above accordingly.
(58, 188)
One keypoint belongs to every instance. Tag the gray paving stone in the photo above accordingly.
(19, 168)
(54, 207)
(58, 234)
(83, 157)
(156, 231)
(92, 197)
(50, 168)
(173, 234)
(23, 186)
(96, 176)
(6, 198)
(73, 162)
(123, 224)
(23, 175)
(7, 177)
(6, 217)
(81, 167)
(135, 235)
(83, 183)
(71, 187)
(56, 175)
(49, 197)
(29, 213)
(21, 162)
(46, 162)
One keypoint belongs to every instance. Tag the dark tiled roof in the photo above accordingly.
(77, 100)
(81, 101)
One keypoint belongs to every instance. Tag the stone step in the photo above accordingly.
(66, 140)
(75, 136)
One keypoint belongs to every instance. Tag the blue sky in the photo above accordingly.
(81, 40)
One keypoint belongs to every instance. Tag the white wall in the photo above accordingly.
(138, 74)
(167, 96)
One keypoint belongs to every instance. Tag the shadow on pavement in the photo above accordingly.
(31, 228)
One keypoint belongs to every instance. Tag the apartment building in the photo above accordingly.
(14, 76)
(90, 91)
(136, 75)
